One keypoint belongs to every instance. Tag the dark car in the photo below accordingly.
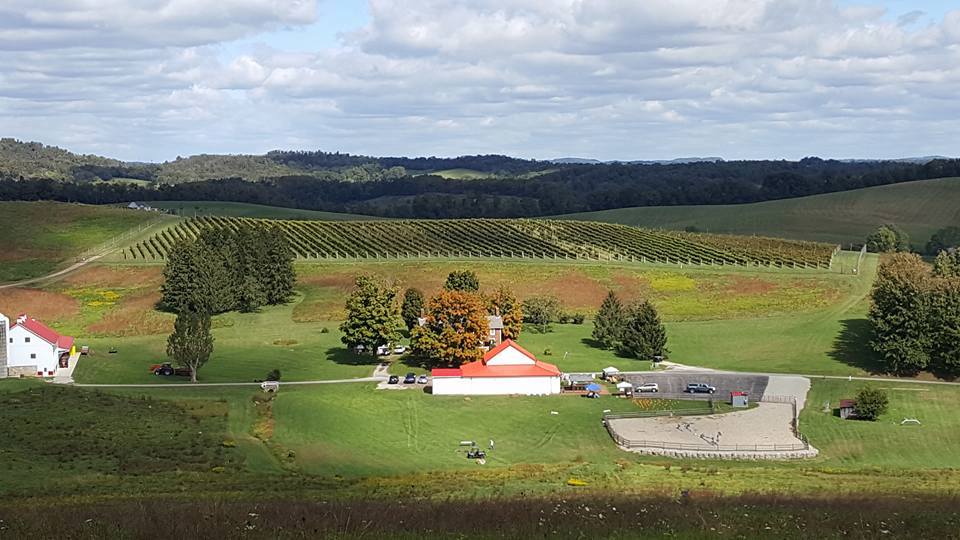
(701, 388)
(393, 379)
(410, 378)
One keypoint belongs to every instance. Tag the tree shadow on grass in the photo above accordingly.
(344, 356)
(852, 346)
(594, 344)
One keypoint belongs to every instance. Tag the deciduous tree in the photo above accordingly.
(505, 303)
(412, 309)
(540, 311)
(373, 315)
(872, 402)
(900, 314)
(462, 280)
(455, 329)
(191, 342)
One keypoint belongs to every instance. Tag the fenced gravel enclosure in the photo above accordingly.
(503, 238)
(768, 431)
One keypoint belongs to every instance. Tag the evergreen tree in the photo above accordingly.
(248, 269)
(643, 335)
(191, 342)
(455, 329)
(608, 325)
(462, 280)
(412, 307)
(900, 314)
(373, 315)
(279, 276)
(505, 304)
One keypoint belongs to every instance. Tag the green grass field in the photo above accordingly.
(921, 208)
(235, 209)
(461, 174)
(39, 237)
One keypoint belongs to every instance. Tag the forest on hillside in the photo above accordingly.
(390, 187)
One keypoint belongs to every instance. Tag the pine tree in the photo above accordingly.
(279, 276)
(373, 315)
(643, 335)
(608, 325)
(412, 309)
(191, 342)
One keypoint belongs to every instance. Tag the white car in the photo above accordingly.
(648, 387)
(399, 349)
(383, 350)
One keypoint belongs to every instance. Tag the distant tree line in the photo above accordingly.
(915, 314)
(572, 188)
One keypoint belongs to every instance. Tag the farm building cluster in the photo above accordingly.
(31, 348)
(505, 369)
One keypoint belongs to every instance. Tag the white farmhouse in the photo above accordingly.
(32, 348)
(506, 369)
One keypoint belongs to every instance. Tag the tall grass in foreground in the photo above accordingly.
(578, 516)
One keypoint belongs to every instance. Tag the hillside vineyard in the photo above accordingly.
(498, 238)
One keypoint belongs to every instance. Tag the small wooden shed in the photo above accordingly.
(848, 408)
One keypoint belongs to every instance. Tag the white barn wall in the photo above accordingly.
(510, 357)
(20, 351)
(4, 345)
(492, 386)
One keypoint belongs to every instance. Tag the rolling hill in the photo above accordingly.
(920, 207)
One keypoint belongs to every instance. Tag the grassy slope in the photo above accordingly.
(38, 237)
(919, 207)
(207, 208)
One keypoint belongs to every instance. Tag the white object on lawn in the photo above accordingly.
(270, 386)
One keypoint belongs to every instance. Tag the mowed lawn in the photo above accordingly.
(354, 429)
(39, 237)
(921, 208)
(886, 443)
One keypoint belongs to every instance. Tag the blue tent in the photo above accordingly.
(593, 387)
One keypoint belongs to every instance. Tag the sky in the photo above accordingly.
(150, 80)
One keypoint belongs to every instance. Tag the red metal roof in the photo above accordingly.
(848, 404)
(44, 332)
(480, 368)
(738, 393)
(503, 346)
(446, 372)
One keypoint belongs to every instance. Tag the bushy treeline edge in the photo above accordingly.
(570, 188)
(227, 269)
(916, 314)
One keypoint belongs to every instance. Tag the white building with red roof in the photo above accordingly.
(506, 369)
(33, 348)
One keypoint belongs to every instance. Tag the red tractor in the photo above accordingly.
(166, 369)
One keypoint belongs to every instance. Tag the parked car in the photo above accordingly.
(422, 379)
(383, 350)
(393, 379)
(399, 349)
(647, 387)
(410, 378)
(701, 388)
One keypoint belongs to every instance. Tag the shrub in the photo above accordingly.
(274, 375)
(871, 403)
(578, 318)
(324, 330)
(548, 352)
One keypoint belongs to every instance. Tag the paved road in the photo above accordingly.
(56, 274)
(200, 385)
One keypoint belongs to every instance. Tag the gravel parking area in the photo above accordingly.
(675, 382)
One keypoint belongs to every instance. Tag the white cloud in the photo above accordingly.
(606, 78)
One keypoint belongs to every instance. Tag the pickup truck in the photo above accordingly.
(700, 388)
(166, 369)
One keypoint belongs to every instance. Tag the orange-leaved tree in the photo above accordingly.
(503, 302)
(455, 328)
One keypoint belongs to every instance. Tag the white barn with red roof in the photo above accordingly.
(506, 369)
(33, 348)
